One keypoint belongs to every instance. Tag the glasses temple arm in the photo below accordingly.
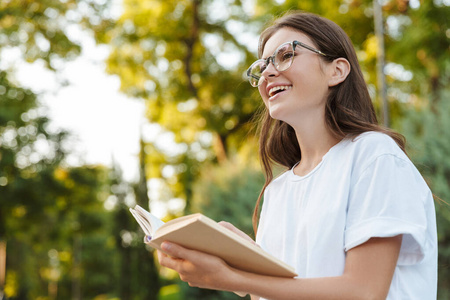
(254, 76)
(310, 48)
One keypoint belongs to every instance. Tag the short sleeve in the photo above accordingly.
(388, 199)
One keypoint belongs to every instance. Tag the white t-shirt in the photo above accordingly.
(363, 188)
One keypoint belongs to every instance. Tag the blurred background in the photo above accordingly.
(105, 104)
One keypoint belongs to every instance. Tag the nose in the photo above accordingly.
(270, 70)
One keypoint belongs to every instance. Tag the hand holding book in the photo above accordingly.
(198, 232)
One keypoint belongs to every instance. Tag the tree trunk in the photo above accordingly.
(146, 268)
(76, 271)
(2, 267)
(379, 33)
(220, 148)
(190, 42)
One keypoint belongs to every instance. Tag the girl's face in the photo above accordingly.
(300, 92)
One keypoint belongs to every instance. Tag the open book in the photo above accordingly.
(199, 232)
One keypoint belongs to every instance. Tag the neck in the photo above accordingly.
(315, 141)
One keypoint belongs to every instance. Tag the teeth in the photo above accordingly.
(277, 88)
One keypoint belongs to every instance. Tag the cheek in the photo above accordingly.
(261, 89)
(262, 92)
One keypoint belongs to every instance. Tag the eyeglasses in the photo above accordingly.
(282, 59)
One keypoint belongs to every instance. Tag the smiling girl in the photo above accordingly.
(351, 213)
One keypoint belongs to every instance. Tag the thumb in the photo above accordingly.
(174, 250)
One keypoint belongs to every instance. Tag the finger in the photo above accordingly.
(175, 250)
(226, 225)
(237, 231)
(169, 261)
(160, 254)
(231, 227)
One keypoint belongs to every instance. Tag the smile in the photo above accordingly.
(277, 89)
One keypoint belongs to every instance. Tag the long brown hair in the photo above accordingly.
(348, 112)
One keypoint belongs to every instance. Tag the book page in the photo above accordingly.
(174, 224)
(148, 222)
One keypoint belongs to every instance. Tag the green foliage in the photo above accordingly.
(63, 239)
(170, 292)
(52, 220)
(136, 264)
(33, 27)
(421, 45)
(22, 166)
(229, 192)
(48, 212)
(172, 53)
(190, 293)
(38, 27)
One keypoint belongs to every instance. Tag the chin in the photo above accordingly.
(277, 115)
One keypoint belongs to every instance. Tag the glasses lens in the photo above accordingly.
(284, 56)
(254, 73)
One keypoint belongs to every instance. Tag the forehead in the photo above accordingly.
(284, 35)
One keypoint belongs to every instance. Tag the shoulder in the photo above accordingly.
(278, 181)
(370, 145)
(364, 150)
(376, 143)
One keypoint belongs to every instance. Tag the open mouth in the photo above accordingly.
(278, 89)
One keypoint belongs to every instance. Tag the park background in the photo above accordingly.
(65, 229)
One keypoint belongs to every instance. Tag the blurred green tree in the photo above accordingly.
(29, 157)
(36, 187)
(418, 73)
(426, 130)
(137, 267)
(188, 64)
(82, 233)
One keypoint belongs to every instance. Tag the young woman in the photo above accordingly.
(352, 214)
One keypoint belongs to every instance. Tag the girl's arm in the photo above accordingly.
(368, 274)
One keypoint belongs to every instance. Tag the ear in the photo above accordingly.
(340, 68)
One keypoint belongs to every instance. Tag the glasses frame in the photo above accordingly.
(272, 59)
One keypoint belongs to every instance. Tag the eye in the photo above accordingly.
(262, 67)
(286, 56)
